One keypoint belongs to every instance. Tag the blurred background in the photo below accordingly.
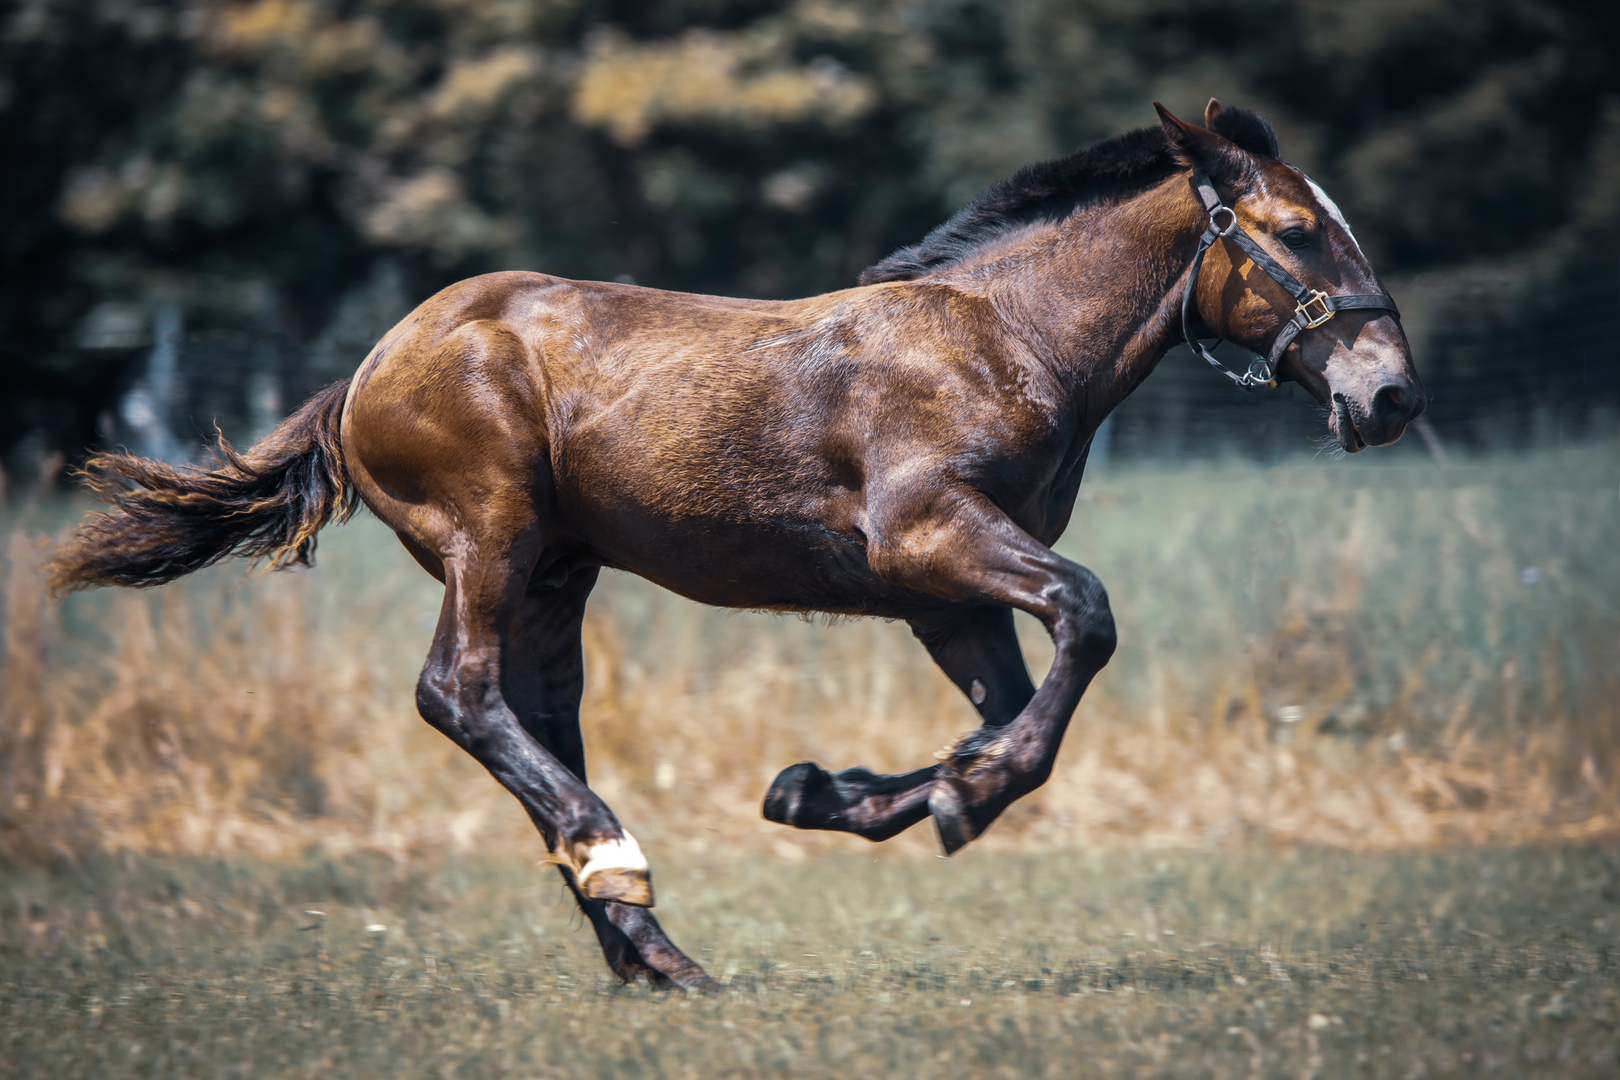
(210, 208)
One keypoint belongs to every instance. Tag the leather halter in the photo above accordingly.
(1312, 306)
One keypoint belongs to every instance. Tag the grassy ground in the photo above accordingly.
(1302, 964)
(1263, 851)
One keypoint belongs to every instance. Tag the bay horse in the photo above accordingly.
(909, 449)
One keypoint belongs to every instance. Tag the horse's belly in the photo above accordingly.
(768, 564)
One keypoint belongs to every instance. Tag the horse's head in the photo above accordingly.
(1356, 361)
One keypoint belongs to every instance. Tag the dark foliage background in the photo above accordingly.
(210, 207)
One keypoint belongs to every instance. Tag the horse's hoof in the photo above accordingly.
(617, 870)
(693, 981)
(950, 812)
(704, 983)
(792, 786)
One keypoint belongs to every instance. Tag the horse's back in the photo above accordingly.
(479, 397)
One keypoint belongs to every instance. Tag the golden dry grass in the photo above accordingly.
(1344, 654)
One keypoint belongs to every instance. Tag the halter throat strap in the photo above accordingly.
(1312, 307)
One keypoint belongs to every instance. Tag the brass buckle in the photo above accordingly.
(1320, 299)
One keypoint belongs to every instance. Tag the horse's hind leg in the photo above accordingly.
(543, 679)
(976, 646)
(460, 693)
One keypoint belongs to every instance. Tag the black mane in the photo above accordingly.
(1051, 190)
(1048, 191)
(1249, 130)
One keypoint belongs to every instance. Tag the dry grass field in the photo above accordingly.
(1356, 654)
(1357, 751)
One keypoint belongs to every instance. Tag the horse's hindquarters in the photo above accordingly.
(445, 438)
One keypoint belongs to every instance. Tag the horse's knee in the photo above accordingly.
(1090, 620)
(1100, 638)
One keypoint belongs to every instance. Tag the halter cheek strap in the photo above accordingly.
(1312, 307)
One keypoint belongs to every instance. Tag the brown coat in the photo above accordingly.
(910, 448)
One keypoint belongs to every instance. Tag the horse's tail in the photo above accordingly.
(167, 520)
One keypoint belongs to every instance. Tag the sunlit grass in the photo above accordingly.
(1314, 963)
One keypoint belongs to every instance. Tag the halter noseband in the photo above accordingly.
(1312, 306)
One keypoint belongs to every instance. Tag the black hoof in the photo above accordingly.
(635, 970)
(794, 789)
(949, 807)
(858, 801)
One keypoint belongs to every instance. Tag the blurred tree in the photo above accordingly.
(294, 174)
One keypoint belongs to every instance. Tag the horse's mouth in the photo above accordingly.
(1344, 427)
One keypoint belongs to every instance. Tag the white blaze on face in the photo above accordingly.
(1333, 211)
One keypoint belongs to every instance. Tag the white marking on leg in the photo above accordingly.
(622, 854)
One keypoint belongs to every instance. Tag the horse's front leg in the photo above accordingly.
(963, 548)
(873, 805)
(977, 648)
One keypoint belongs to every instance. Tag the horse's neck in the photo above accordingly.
(1102, 306)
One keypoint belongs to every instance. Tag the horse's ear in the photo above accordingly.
(1246, 129)
(1199, 148)
(1211, 111)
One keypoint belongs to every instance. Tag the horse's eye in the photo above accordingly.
(1297, 239)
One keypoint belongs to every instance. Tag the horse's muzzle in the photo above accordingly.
(1377, 418)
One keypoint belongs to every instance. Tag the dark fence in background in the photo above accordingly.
(1501, 372)
(1543, 370)
(1189, 411)
(1496, 378)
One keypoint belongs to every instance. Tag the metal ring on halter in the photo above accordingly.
(1260, 371)
(1219, 230)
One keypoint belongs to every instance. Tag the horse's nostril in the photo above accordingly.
(1391, 403)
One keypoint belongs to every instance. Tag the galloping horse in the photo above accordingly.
(910, 449)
